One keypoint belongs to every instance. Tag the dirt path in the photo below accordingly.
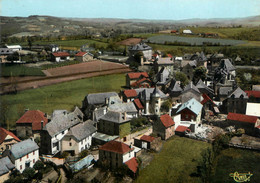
(63, 176)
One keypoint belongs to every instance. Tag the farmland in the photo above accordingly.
(193, 41)
(60, 96)
(175, 163)
(19, 70)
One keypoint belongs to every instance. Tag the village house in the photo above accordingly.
(79, 137)
(164, 127)
(142, 48)
(253, 96)
(224, 92)
(175, 90)
(163, 79)
(139, 106)
(23, 154)
(190, 91)
(128, 108)
(187, 31)
(142, 83)
(83, 56)
(151, 99)
(214, 60)
(187, 67)
(164, 62)
(6, 167)
(56, 129)
(4, 53)
(248, 123)
(14, 47)
(209, 104)
(60, 56)
(115, 154)
(145, 142)
(203, 88)
(129, 95)
(31, 123)
(181, 130)
(191, 111)
(134, 77)
(115, 123)
(253, 109)
(95, 100)
(7, 139)
(235, 102)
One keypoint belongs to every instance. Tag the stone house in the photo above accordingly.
(166, 63)
(96, 100)
(23, 154)
(31, 123)
(163, 79)
(134, 77)
(54, 131)
(224, 92)
(191, 111)
(129, 95)
(7, 139)
(164, 127)
(235, 102)
(188, 68)
(6, 167)
(83, 56)
(115, 123)
(128, 108)
(115, 154)
(203, 88)
(144, 142)
(175, 90)
(60, 56)
(143, 48)
(190, 91)
(79, 137)
(248, 123)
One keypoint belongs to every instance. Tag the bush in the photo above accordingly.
(83, 153)
(28, 173)
(38, 165)
(65, 154)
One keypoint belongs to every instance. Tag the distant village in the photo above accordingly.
(163, 97)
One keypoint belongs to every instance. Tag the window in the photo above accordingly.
(33, 160)
(62, 132)
(27, 155)
(33, 152)
(70, 144)
(21, 167)
(20, 159)
(81, 142)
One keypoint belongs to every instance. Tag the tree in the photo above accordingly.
(28, 173)
(166, 105)
(199, 73)
(38, 165)
(83, 153)
(206, 165)
(179, 76)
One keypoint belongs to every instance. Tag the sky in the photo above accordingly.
(130, 9)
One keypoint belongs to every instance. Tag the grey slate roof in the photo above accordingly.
(23, 148)
(201, 85)
(238, 93)
(5, 165)
(82, 130)
(123, 107)
(78, 112)
(61, 121)
(140, 47)
(227, 65)
(225, 90)
(99, 98)
(146, 93)
(115, 117)
(191, 86)
(174, 86)
(98, 113)
(202, 57)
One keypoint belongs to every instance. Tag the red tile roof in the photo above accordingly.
(155, 55)
(255, 94)
(174, 31)
(167, 120)
(136, 75)
(61, 54)
(147, 138)
(130, 93)
(137, 83)
(80, 54)
(138, 103)
(35, 117)
(241, 117)
(206, 98)
(181, 128)
(4, 133)
(132, 164)
(115, 146)
(169, 55)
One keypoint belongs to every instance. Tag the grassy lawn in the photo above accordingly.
(60, 96)
(19, 70)
(175, 163)
(242, 161)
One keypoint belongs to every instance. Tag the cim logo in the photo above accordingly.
(241, 177)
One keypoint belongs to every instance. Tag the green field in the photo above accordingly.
(19, 70)
(242, 161)
(60, 96)
(175, 163)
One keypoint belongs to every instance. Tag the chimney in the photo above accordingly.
(142, 60)
(41, 124)
(125, 117)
